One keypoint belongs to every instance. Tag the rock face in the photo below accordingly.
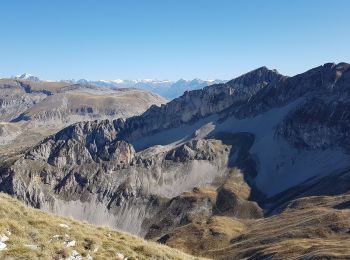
(195, 150)
(202, 204)
(321, 123)
(198, 104)
(222, 155)
(81, 143)
(83, 168)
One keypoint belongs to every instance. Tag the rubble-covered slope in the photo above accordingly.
(27, 233)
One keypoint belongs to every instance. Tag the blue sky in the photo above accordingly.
(164, 39)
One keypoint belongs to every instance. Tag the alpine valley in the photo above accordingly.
(257, 167)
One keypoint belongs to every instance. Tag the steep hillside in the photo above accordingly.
(215, 161)
(309, 228)
(26, 233)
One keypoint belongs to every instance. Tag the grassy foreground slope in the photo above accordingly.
(33, 234)
(315, 227)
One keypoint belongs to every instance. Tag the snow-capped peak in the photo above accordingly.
(117, 81)
(27, 76)
(24, 76)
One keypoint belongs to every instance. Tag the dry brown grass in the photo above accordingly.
(198, 238)
(303, 232)
(34, 227)
(54, 86)
(236, 184)
(201, 193)
(309, 228)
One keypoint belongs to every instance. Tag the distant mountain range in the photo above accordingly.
(166, 88)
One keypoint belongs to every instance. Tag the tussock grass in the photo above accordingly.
(199, 238)
(309, 228)
(34, 234)
(312, 228)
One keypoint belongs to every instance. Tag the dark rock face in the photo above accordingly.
(232, 198)
(229, 204)
(247, 96)
(195, 206)
(329, 79)
(334, 184)
(319, 124)
(255, 80)
(197, 104)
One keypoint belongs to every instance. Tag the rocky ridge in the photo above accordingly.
(220, 156)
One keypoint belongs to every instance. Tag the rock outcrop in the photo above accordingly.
(84, 167)
(320, 123)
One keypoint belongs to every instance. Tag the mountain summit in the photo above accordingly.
(27, 76)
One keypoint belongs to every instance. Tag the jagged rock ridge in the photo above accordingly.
(202, 158)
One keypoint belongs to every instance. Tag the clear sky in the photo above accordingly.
(164, 39)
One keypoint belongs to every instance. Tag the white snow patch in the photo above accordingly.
(64, 226)
(120, 256)
(75, 256)
(3, 238)
(71, 243)
(32, 247)
(2, 246)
